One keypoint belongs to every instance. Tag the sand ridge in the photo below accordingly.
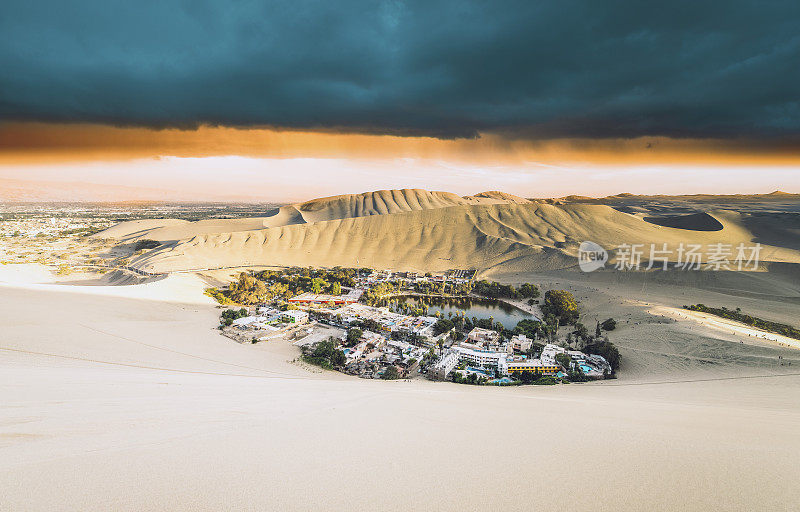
(539, 236)
(414, 229)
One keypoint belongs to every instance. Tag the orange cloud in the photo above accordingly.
(36, 143)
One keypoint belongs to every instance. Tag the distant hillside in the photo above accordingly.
(519, 237)
(706, 198)
(381, 202)
(421, 230)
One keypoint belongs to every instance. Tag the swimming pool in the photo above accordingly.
(476, 370)
(504, 380)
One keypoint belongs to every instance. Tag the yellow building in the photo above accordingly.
(535, 367)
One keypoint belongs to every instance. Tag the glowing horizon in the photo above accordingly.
(295, 165)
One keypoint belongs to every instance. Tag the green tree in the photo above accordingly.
(609, 325)
(390, 373)
(338, 358)
(607, 350)
(317, 285)
(442, 325)
(353, 335)
(564, 360)
(547, 380)
(561, 304)
(529, 290)
(581, 331)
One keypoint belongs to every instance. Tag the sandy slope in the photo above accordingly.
(421, 230)
(726, 325)
(137, 404)
(481, 236)
(127, 398)
(381, 202)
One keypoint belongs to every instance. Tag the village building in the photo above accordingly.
(485, 337)
(294, 317)
(520, 343)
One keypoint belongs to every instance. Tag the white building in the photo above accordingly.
(489, 359)
(400, 345)
(294, 316)
(483, 336)
(442, 369)
(520, 343)
(373, 338)
(549, 353)
(245, 321)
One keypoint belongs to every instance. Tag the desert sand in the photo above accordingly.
(421, 230)
(126, 397)
(116, 401)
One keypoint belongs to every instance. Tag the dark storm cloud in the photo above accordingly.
(543, 69)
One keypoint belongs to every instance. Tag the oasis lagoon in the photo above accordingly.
(469, 307)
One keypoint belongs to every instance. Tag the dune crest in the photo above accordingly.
(503, 236)
(381, 202)
(495, 196)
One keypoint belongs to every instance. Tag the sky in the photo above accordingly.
(288, 100)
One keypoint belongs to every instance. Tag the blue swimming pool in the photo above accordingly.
(504, 380)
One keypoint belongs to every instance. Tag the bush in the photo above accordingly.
(609, 325)
(338, 358)
(577, 375)
(530, 328)
(529, 290)
(547, 380)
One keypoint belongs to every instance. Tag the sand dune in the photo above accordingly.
(381, 202)
(536, 236)
(777, 195)
(134, 381)
(497, 196)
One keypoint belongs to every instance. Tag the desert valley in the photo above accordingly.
(121, 392)
(399, 255)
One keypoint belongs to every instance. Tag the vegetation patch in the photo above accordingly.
(218, 296)
(229, 315)
(324, 354)
(759, 323)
